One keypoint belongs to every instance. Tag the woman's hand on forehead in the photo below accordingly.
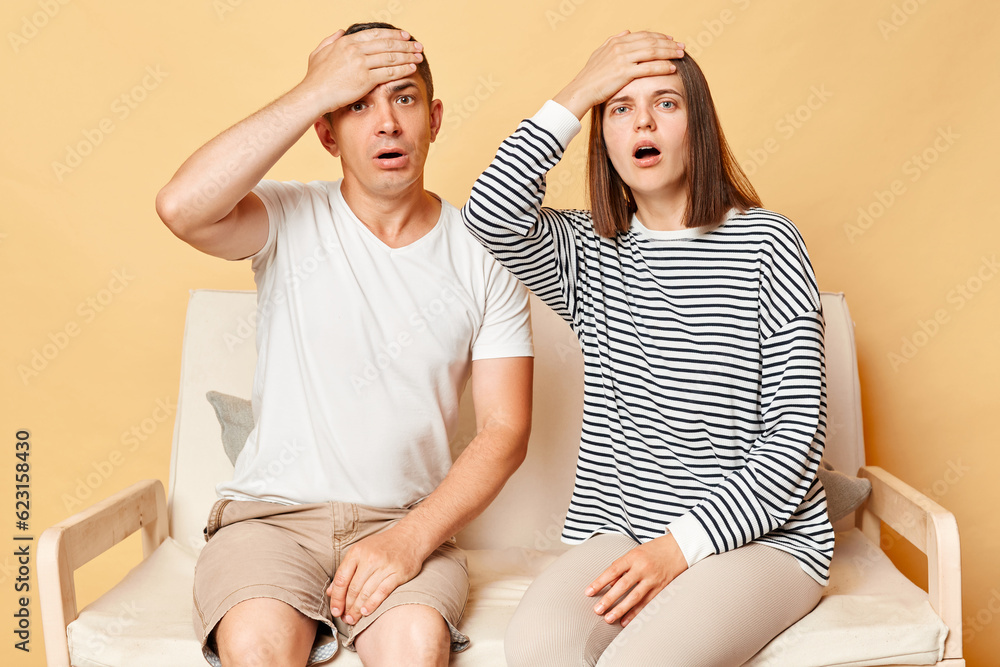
(621, 59)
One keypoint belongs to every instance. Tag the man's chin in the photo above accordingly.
(389, 182)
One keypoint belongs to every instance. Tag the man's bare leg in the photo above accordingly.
(264, 632)
(410, 634)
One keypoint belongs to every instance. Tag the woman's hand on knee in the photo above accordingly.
(639, 576)
(619, 60)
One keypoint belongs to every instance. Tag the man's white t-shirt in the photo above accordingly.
(363, 351)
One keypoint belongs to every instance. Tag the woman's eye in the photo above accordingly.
(671, 104)
(357, 106)
(618, 110)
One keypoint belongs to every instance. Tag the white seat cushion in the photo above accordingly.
(870, 614)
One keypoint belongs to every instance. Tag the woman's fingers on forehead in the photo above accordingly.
(646, 35)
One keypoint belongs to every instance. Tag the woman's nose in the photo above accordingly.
(644, 119)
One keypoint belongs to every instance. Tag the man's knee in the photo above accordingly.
(264, 632)
(414, 631)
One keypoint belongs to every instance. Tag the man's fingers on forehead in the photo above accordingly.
(330, 39)
(397, 73)
(389, 46)
(375, 34)
(401, 45)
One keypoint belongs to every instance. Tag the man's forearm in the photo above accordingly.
(219, 174)
(475, 479)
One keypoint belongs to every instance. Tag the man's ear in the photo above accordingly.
(437, 116)
(326, 137)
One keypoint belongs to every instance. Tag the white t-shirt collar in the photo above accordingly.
(678, 234)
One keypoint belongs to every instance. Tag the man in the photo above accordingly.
(374, 308)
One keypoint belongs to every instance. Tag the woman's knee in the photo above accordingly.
(557, 634)
(555, 623)
(532, 640)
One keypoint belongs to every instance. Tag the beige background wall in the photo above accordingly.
(872, 125)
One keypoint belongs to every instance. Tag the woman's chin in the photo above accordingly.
(656, 187)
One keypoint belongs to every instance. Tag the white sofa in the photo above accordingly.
(870, 614)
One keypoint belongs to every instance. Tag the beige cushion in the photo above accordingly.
(844, 493)
(870, 614)
(235, 416)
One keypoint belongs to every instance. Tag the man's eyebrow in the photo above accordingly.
(402, 86)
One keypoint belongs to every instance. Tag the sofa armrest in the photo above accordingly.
(929, 527)
(69, 544)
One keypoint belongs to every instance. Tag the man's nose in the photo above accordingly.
(387, 122)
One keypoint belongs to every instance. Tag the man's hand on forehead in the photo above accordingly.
(345, 68)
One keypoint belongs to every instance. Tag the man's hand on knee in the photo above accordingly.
(372, 569)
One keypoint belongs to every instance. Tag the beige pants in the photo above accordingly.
(720, 612)
(291, 552)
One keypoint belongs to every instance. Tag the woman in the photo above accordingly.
(696, 505)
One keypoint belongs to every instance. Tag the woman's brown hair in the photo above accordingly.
(714, 178)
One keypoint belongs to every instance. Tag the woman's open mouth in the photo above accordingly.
(645, 154)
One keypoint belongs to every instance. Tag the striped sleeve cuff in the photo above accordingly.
(560, 121)
(691, 537)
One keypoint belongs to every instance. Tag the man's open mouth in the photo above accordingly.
(388, 155)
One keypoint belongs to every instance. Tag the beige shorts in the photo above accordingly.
(291, 552)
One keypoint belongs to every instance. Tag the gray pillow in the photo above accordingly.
(843, 494)
(236, 418)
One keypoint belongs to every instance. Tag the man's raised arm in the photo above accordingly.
(208, 202)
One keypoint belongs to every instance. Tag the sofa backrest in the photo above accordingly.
(219, 353)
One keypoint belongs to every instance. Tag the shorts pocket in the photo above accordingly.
(215, 517)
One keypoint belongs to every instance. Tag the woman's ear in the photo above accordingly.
(325, 132)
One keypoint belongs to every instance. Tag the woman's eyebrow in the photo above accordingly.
(662, 91)
(622, 98)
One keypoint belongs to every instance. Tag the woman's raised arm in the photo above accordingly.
(618, 61)
(544, 248)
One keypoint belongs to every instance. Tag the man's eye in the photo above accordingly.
(357, 106)
(405, 99)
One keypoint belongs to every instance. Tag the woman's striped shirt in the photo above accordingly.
(704, 384)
